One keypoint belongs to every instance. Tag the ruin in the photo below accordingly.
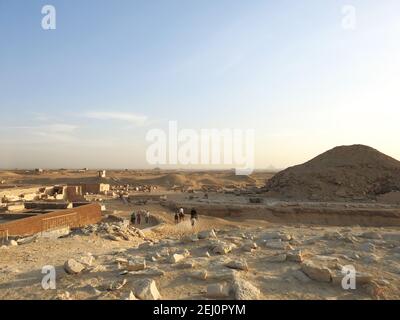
(71, 218)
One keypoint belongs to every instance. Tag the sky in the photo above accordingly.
(87, 93)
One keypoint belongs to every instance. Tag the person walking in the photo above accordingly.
(193, 216)
(138, 217)
(147, 217)
(181, 214)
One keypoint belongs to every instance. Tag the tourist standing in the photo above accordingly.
(181, 214)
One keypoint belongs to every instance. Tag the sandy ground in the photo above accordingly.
(330, 235)
(21, 266)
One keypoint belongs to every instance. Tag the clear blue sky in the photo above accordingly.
(85, 94)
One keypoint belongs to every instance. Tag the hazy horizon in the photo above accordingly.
(86, 93)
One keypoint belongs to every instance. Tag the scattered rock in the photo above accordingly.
(316, 272)
(136, 264)
(12, 243)
(218, 290)
(222, 274)
(116, 285)
(200, 275)
(146, 289)
(281, 257)
(175, 258)
(276, 235)
(208, 234)
(71, 266)
(249, 246)
(87, 260)
(240, 264)
(244, 290)
(223, 248)
(367, 246)
(150, 272)
(295, 255)
(131, 296)
(278, 245)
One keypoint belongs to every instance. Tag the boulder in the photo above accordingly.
(71, 266)
(175, 258)
(221, 274)
(146, 289)
(240, 264)
(316, 272)
(244, 290)
(136, 264)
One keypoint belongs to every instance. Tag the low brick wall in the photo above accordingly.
(73, 218)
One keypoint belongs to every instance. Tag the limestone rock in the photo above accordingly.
(218, 290)
(240, 264)
(136, 264)
(200, 275)
(71, 266)
(275, 235)
(244, 290)
(316, 272)
(278, 245)
(175, 258)
(131, 296)
(281, 257)
(295, 255)
(146, 289)
(116, 285)
(207, 234)
(223, 248)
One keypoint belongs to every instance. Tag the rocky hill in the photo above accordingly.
(354, 172)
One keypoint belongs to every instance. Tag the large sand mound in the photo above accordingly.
(348, 172)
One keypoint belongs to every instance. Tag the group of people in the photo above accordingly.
(136, 217)
(180, 216)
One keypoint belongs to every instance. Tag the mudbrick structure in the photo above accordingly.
(72, 218)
